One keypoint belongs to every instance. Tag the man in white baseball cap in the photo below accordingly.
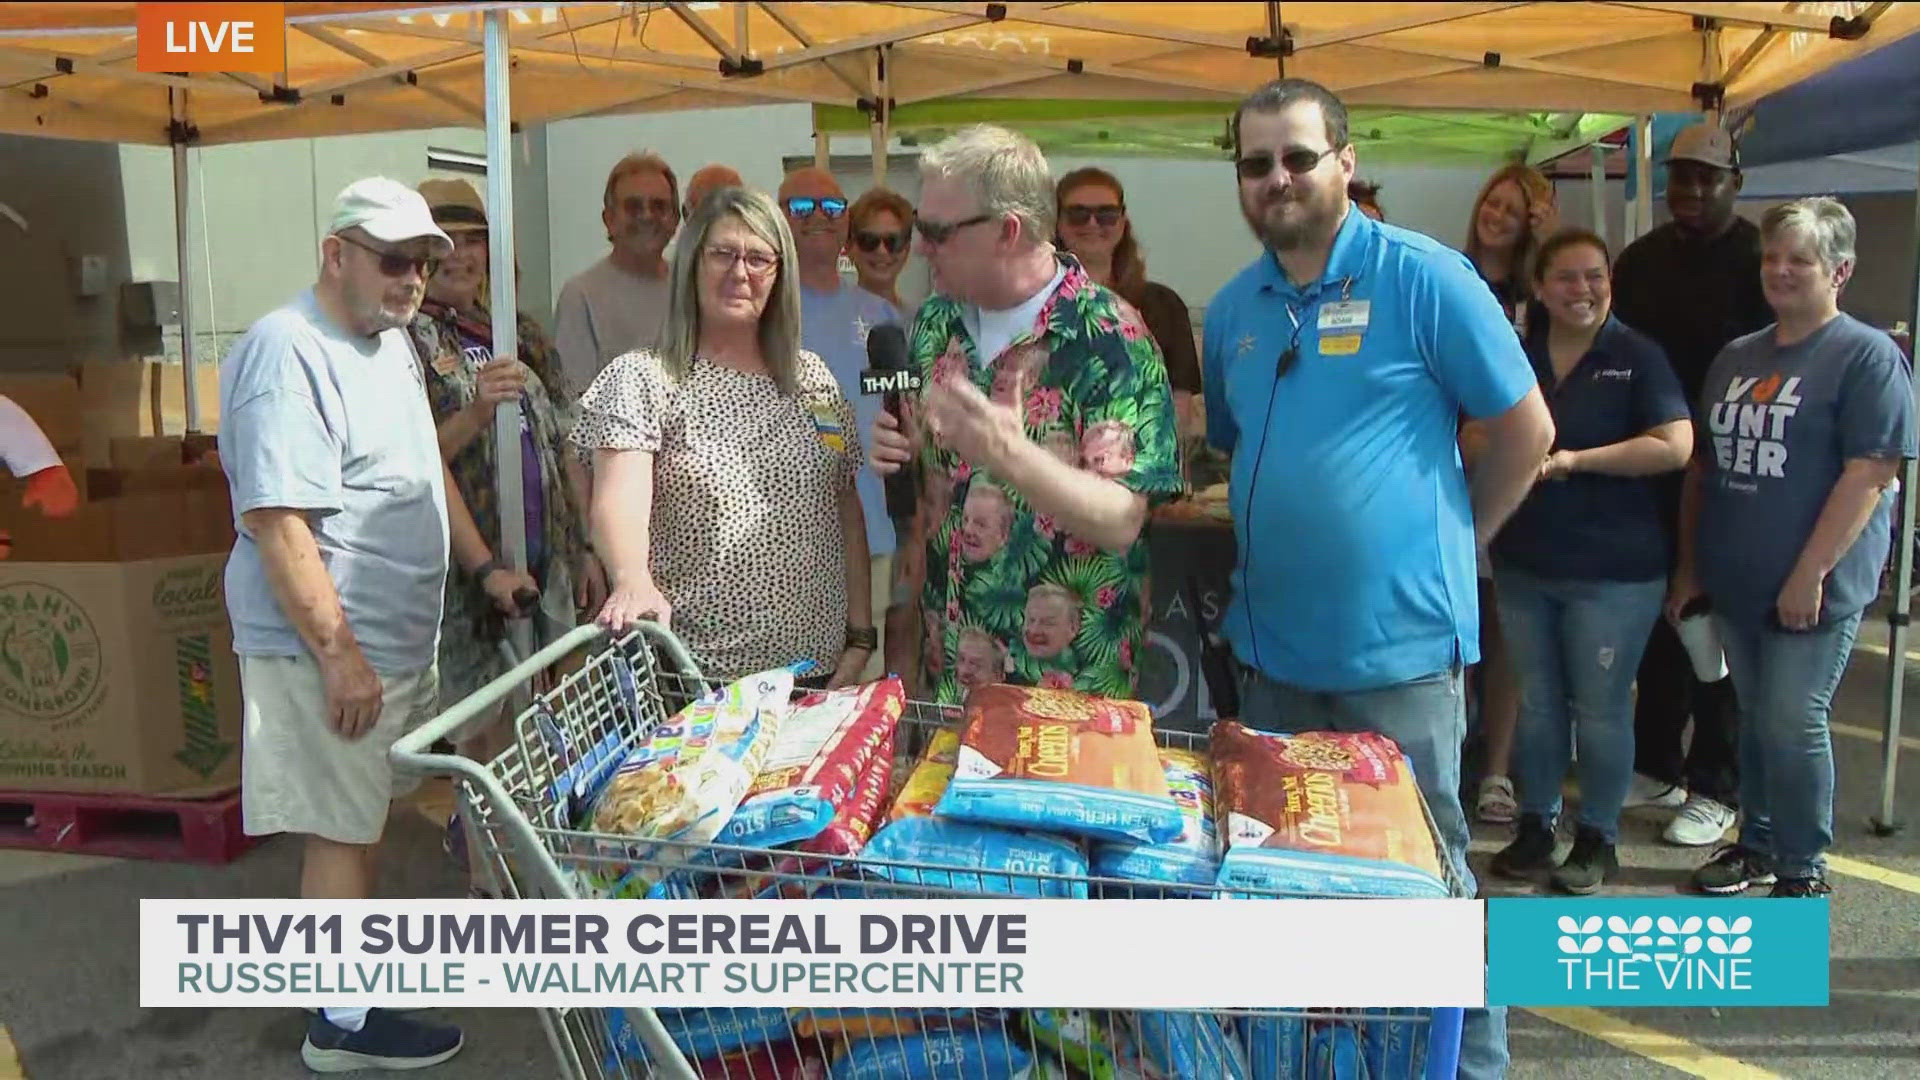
(335, 582)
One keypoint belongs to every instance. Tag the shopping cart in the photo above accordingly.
(525, 809)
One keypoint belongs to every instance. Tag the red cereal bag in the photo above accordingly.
(815, 763)
(860, 815)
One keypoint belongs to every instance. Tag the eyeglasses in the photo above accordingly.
(934, 232)
(635, 206)
(758, 263)
(873, 241)
(1298, 162)
(802, 205)
(396, 263)
(1108, 216)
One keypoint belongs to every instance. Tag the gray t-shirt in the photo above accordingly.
(834, 325)
(314, 418)
(1780, 425)
(604, 312)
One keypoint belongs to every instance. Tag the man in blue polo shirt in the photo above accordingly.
(1337, 367)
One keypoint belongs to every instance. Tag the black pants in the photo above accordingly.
(1670, 694)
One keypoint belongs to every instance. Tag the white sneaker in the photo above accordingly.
(1646, 791)
(1701, 822)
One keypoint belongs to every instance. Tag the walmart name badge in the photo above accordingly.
(1342, 324)
(1680, 951)
(827, 426)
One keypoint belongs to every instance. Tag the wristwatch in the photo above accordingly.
(863, 637)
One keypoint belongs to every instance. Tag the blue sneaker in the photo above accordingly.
(388, 1041)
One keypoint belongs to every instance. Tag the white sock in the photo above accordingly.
(345, 1019)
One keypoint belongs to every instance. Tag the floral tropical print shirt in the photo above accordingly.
(1007, 595)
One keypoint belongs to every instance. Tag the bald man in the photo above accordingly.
(709, 179)
(834, 319)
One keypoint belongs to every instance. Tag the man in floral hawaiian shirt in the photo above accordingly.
(1048, 431)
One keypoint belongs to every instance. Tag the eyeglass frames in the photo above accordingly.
(1297, 162)
(895, 243)
(801, 206)
(396, 263)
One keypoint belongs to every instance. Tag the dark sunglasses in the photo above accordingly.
(801, 205)
(1108, 216)
(895, 243)
(1298, 162)
(635, 206)
(396, 263)
(934, 232)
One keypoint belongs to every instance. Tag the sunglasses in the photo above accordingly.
(397, 263)
(1298, 162)
(934, 232)
(758, 263)
(895, 243)
(635, 206)
(1108, 216)
(801, 206)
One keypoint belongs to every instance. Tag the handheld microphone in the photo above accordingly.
(888, 373)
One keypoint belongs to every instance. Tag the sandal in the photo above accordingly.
(1497, 806)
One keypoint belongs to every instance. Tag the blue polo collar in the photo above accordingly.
(1351, 245)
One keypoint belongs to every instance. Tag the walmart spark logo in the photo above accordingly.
(1683, 951)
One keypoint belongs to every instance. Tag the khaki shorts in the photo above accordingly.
(297, 775)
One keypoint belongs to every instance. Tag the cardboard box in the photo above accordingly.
(118, 677)
(132, 399)
(130, 515)
(53, 400)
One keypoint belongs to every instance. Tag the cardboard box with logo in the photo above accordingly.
(117, 671)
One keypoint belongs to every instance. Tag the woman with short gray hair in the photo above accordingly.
(724, 499)
(1785, 526)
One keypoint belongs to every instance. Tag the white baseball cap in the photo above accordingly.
(386, 210)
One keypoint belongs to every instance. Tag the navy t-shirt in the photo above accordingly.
(1588, 526)
(1780, 424)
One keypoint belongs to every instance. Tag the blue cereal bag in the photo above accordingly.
(1193, 857)
(1289, 1047)
(815, 764)
(1191, 1046)
(1062, 762)
(985, 1052)
(972, 858)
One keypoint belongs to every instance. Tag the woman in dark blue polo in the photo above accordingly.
(1581, 567)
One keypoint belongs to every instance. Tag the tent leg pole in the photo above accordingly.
(1887, 822)
(183, 249)
(1597, 180)
(822, 150)
(506, 418)
(1643, 197)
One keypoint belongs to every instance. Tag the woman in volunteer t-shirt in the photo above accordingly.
(1581, 567)
(1785, 526)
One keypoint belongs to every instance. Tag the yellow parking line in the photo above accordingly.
(1669, 1050)
(10, 1068)
(1867, 871)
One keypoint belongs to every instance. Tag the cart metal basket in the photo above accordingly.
(523, 811)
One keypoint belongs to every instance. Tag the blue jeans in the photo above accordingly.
(1428, 718)
(1785, 682)
(1576, 647)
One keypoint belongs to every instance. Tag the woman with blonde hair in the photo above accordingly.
(1512, 215)
(724, 501)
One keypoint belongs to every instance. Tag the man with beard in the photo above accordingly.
(334, 584)
(1692, 285)
(1337, 367)
(619, 304)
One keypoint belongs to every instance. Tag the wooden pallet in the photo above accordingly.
(125, 826)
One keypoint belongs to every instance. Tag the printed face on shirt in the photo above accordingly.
(1749, 424)
(985, 522)
(1108, 449)
(1053, 621)
(982, 660)
(1795, 278)
(1284, 209)
(1576, 287)
(1017, 372)
(1061, 444)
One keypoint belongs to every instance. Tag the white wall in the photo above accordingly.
(262, 209)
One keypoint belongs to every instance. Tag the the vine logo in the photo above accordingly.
(1622, 953)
